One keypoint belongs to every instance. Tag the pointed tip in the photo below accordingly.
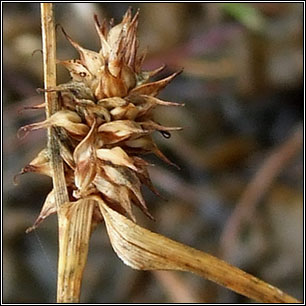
(156, 192)
(32, 107)
(173, 75)
(39, 90)
(97, 24)
(37, 50)
(148, 214)
(96, 19)
(26, 169)
(161, 155)
(73, 43)
(177, 166)
(153, 88)
(157, 70)
(23, 132)
(64, 32)
(16, 178)
(131, 216)
(128, 14)
(30, 229)
(152, 218)
(136, 16)
(168, 79)
(162, 197)
(111, 22)
(161, 68)
(100, 27)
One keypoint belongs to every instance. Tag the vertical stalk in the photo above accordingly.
(52, 104)
(74, 234)
(74, 219)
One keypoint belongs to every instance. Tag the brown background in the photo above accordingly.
(243, 89)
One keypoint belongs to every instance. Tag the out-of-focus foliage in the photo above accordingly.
(245, 13)
(244, 96)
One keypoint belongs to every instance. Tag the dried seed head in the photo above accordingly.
(106, 117)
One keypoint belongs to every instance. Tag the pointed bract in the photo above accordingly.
(116, 156)
(85, 161)
(48, 209)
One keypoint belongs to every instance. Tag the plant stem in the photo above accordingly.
(74, 229)
(74, 220)
(51, 99)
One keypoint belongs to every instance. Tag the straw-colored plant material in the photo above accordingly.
(100, 125)
(75, 227)
(74, 220)
(145, 250)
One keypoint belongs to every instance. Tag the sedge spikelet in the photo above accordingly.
(105, 122)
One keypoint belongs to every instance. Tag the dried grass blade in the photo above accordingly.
(145, 250)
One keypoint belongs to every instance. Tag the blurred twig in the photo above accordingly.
(175, 287)
(257, 188)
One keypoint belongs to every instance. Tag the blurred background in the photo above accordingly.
(239, 193)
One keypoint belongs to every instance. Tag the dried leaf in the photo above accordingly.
(142, 249)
